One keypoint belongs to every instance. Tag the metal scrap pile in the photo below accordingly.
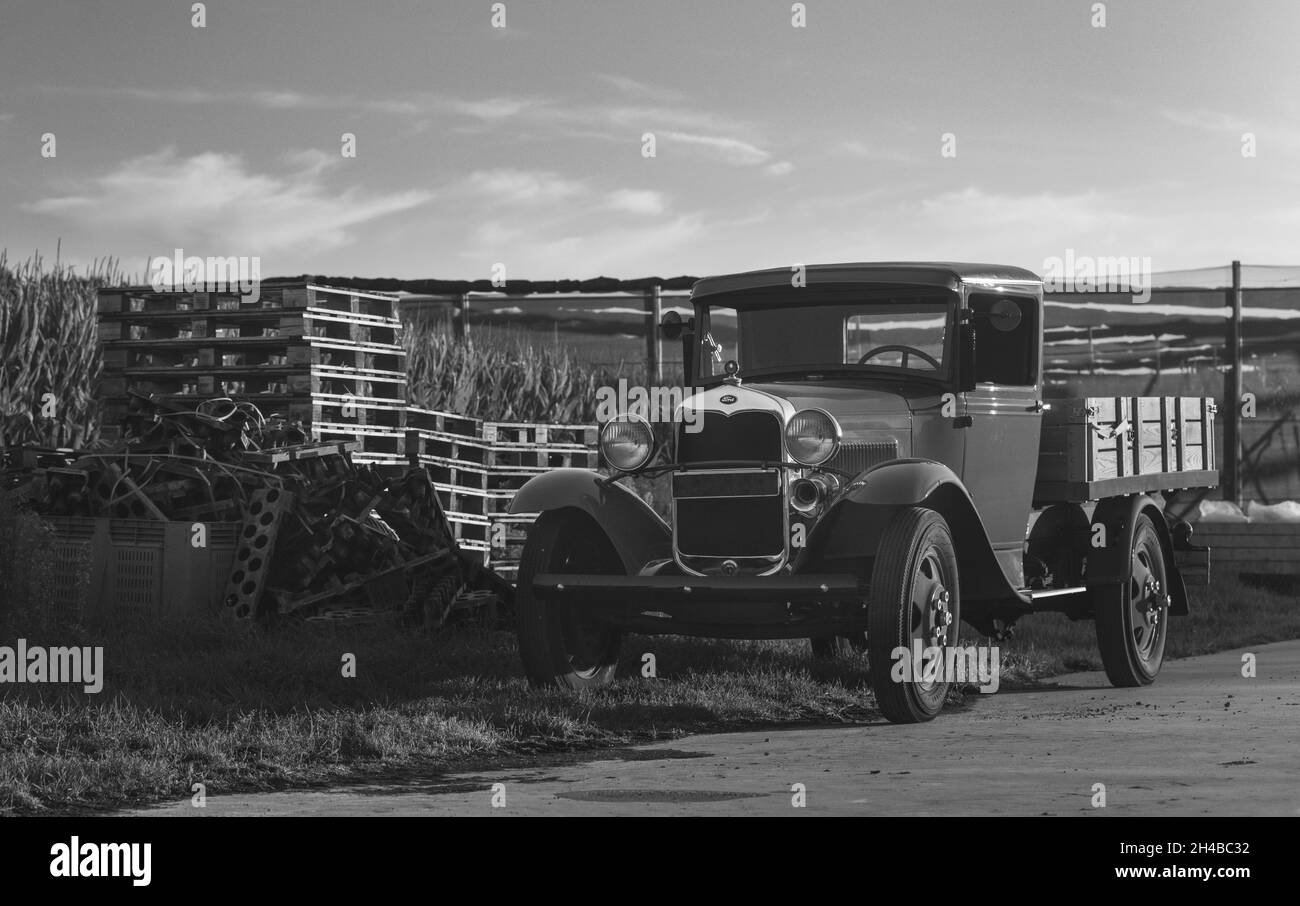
(319, 536)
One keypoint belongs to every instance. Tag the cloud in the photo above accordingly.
(1228, 124)
(779, 168)
(707, 133)
(864, 151)
(550, 249)
(636, 201)
(971, 206)
(213, 200)
(1208, 120)
(727, 150)
(634, 88)
(520, 187)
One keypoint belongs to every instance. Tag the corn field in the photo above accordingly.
(503, 376)
(49, 361)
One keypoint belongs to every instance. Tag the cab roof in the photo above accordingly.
(918, 273)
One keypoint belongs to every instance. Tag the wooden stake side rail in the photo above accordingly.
(1098, 447)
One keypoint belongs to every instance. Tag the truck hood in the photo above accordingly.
(861, 408)
(858, 406)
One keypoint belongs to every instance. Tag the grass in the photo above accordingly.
(185, 704)
(1226, 614)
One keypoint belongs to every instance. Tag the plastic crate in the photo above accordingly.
(140, 569)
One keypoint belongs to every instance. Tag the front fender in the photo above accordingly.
(852, 527)
(636, 531)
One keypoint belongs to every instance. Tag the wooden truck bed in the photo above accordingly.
(1103, 446)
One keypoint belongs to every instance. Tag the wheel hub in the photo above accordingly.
(940, 615)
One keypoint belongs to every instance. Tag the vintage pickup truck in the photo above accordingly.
(869, 462)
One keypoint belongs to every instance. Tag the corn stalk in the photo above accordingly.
(49, 357)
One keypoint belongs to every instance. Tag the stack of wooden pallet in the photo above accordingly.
(328, 359)
(478, 467)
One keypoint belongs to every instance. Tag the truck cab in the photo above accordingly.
(856, 462)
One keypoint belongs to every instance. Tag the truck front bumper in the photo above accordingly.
(740, 607)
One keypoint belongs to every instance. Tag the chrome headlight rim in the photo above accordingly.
(837, 436)
(621, 419)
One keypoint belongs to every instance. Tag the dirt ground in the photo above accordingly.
(1204, 740)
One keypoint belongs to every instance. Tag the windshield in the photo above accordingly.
(867, 332)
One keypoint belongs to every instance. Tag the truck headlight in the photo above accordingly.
(627, 442)
(812, 436)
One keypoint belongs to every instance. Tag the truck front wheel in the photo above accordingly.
(559, 643)
(915, 598)
(1132, 618)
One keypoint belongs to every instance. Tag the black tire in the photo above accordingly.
(1132, 619)
(830, 647)
(915, 595)
(559, 645)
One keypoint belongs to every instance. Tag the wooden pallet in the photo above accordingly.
(474, 503)
(500, 455)
(474, 477)
(246, 381)
(145, 300)
(530, 434)
(271, 296)
(1271, 548)
(443, 422)
(337, 409)
(465, 527)
(367, 438)
(234, 351)
(188, 326)
(506, 570)
(508, 534)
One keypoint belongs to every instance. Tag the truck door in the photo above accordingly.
(1005, 411)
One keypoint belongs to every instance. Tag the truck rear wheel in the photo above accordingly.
(915, 597)
(1132, 618)
(559, 644)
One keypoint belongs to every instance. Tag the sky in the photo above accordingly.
(994, 131)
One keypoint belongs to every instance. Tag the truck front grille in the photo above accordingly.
(731, 526)
(741, 436)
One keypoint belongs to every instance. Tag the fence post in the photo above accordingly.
(1232, 394)
(460, 317)
(653, 345)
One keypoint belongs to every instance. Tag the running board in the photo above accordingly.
(1035, 594)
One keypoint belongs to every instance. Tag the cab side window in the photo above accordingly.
(1005, 356)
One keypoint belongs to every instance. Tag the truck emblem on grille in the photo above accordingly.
(727, 400)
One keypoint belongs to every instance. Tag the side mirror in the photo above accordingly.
(966, 357)
(672, 325)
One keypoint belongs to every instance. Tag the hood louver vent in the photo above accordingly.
(857, 457)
